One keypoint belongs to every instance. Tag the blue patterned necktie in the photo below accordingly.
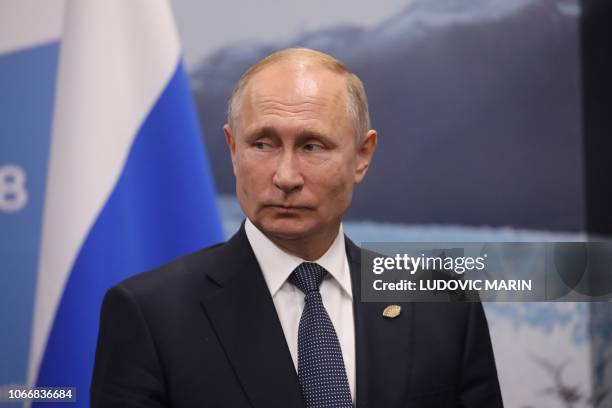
(320, 364)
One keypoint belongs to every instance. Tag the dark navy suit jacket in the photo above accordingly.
(202, 331)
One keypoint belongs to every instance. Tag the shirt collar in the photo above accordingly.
(277, 265)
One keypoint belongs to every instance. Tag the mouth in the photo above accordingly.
(287, 209)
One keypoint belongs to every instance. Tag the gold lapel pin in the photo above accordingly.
(392, 311)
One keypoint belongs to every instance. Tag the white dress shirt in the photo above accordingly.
(277, 265)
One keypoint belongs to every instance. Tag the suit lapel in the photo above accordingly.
(244, 317)
(383, 346)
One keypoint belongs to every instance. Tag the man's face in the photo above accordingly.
(294, 151)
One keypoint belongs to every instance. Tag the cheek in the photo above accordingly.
(251, 175)
(335, 188)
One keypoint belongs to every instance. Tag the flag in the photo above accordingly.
(129, 186)
(29, 49)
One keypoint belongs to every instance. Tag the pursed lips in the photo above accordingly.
(287, 208)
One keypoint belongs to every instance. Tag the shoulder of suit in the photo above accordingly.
(186, 271)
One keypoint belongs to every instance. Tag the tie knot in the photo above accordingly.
(308, 277)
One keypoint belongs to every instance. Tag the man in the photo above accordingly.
(272, 318)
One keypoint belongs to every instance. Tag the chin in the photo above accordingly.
(286, 228)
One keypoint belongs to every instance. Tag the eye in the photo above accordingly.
(312, 147)
(261, 145)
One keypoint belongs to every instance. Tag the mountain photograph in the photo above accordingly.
(477, 105)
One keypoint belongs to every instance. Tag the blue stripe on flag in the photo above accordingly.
(163, 206)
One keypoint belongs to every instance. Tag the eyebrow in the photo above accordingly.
(269, 131)
(306, 134)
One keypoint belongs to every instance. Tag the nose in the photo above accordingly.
(287, 176)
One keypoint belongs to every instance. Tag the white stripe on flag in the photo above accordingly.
(29, 23)
(116, 58)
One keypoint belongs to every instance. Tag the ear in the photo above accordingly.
(231, 143)
(365, 152)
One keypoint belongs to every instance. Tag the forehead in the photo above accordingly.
(295, 79)
(295, 90)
